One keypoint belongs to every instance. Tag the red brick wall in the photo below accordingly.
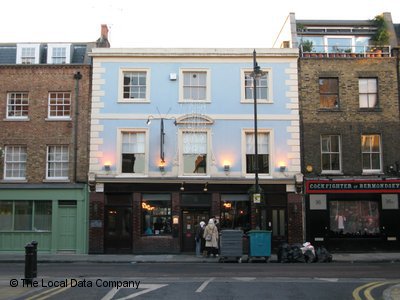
(96, 212)
(295, 218)
(37, 133)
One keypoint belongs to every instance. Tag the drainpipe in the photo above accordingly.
(77, 77)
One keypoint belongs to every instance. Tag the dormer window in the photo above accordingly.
(28, 54)
(58, 53)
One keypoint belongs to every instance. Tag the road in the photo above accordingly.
(201, 281)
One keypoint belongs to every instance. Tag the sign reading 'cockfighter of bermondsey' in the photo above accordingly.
(390, 186)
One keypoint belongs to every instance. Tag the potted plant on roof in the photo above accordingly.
(306, 47)
(381, 36)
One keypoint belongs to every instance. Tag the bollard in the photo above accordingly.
(29, 262)
(34, 263)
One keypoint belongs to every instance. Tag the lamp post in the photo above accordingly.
(256, 75)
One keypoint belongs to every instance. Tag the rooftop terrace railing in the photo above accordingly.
(345, 51)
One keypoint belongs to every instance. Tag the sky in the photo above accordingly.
(173, 23)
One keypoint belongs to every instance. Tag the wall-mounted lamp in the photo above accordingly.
(162, 169)
(309, 168)
(182, 188)
(205, 187)
(282, 168)
(107, 167)
(227, 168)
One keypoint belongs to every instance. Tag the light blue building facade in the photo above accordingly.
(172, 143)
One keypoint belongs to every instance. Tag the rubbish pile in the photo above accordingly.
(303, 253)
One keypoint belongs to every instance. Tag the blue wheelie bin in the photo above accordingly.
(260, 244)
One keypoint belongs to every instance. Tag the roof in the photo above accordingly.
(79, 53)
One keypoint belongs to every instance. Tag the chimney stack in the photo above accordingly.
(103, 42)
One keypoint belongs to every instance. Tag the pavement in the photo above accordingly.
(370, 257)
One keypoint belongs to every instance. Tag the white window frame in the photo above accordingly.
(120, 132)
(207, 131)
(19, 58)
(367, 93)
(64, 117)
(20, 161)
(51, 47)
(21, 105)
(208, 85)
(243, 99)
(330, 153)
(271, 147)
(369, 171)
(48, 162)
(121, 98)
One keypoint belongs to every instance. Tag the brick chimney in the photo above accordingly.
(103, 42)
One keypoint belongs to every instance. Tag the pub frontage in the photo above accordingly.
(353, 214)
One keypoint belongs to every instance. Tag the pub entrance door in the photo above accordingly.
(118, 229)
(192, 217)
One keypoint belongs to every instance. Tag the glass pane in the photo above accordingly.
(274, 222)
(326, 162)
(23, 215)
(375, 161)
(6, 215)
(375, 143)
(335, 162)
(334, 143)
(354, 218)
(156, 217)
(364, 101)
(43, 214)
(194, 163)
(366, 161)
(329, 101)
(282, 226)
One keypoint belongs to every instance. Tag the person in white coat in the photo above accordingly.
(211, 237)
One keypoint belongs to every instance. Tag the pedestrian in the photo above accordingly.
(199, 238)
(211, 236)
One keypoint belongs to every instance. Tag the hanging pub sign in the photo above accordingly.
(390, 186)
(257, 198)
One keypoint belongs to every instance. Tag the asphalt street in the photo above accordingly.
(202, 281)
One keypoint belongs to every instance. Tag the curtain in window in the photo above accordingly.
(133, 142)
(195, 143)
(262, 143)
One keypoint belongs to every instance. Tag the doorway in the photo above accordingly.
(118, 229)
(279, 226)
(190, 219)
(67, 220)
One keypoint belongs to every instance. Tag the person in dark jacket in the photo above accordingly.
(199, 238)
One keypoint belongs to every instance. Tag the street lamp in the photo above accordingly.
(256, 75)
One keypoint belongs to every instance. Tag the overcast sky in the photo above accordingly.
(173, 23)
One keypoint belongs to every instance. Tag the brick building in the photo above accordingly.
(349, 110)
(44, 120)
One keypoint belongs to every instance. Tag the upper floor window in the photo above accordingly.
(263, 87)
(371, 153)
(135, 85)
(17, 105)
(329, 93)
(368, 89)
(28, 54)
(57, 162)
(263, 153)
(195, 86)
(15, 162)
(59, 105)
(58, 53)
(330, 153)
(195, 153)
(133, 152)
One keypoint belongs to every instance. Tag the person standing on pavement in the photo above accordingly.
(199, 237)
(211, 237)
